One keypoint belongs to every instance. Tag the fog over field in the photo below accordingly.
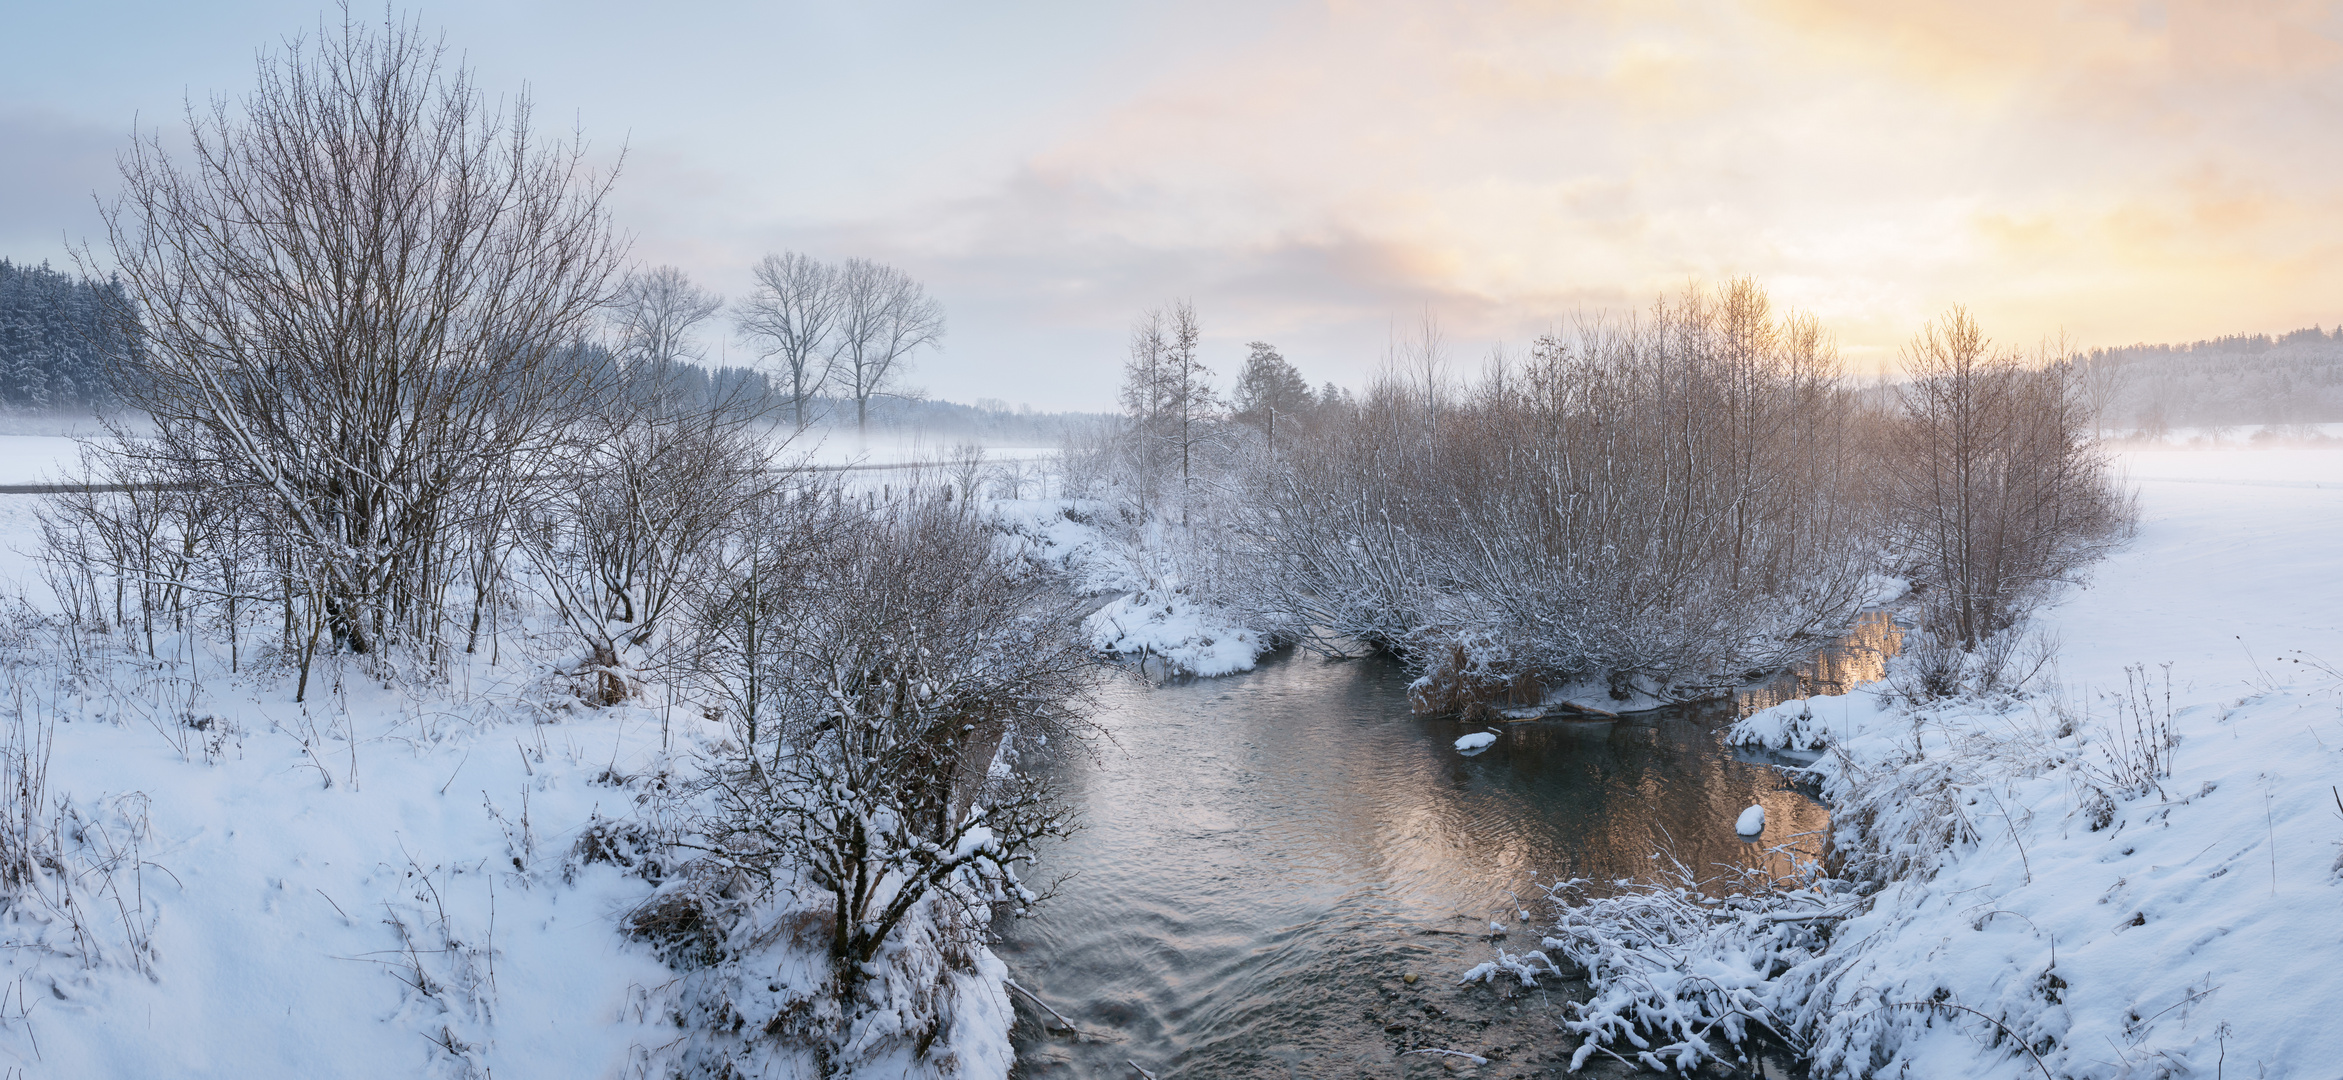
(1202, 540)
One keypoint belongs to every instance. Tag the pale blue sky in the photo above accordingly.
(1318, 173)
(748, 127)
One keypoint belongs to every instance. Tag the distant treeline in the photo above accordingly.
(57, 347)
(988, 421)
(56, 340)
(2294, 378)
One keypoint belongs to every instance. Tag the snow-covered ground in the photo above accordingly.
(33, 459)
(402, 877)
(396, 880)
(1152, 613)
(2128, 880)
(36, 459)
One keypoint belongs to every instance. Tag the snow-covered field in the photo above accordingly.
(35, 459)
(399, 878)
(2128, 883)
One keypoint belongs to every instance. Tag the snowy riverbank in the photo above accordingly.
(2134, 869)
(404, 877)
(1145, 572)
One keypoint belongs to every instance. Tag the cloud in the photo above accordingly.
(1314, 173)
(2120, 170)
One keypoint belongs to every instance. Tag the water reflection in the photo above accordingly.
(1266, 856)
(1859, 657)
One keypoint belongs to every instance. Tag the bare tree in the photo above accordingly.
(1168, 393)
(659, 490)
(357, 283)
(884, 316)
(658, 313)
(791, 314)
(744, 612)
(1995, 486)
(2100, 377)
(1144, 398)
(1424, 360)
(1195, 409)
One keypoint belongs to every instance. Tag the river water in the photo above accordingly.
(1266, 857)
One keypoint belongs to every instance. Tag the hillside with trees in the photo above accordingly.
(59, 338)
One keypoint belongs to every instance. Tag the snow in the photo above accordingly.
(1193, 636)
(284, 920)
(971, 842)
(1751, 822)
(1157, 615)
(399, 878)
(36, 459)
(2118, 922)
(1479, 740)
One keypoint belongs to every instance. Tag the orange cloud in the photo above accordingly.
(2125, 171)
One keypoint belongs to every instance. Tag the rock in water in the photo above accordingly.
(1751, 822)
(1475, 741)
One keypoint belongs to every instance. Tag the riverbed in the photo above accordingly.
(1266, 857)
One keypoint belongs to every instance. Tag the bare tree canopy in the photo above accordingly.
(884, 316)
(1996, 488)
(657, 311)
(357, 283)
(791, 315)
(1168, 392)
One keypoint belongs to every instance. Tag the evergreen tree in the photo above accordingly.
(1269, 388)
(59, 340)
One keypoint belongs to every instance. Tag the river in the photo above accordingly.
(1267, 857)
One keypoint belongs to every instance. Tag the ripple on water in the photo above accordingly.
(1266, 856)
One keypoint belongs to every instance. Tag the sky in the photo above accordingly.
(1325, 176)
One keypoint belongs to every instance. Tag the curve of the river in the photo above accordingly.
(1266, 857)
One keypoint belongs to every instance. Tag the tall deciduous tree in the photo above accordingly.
(791, 315)
(1168, 393)
(658, 312)
(884, 316)
(355, 283)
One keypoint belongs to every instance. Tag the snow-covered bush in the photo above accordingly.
(868, 798)
(1650, 505)
(662, 494)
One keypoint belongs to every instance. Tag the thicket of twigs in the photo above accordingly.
(388, 345)
(1655, 504)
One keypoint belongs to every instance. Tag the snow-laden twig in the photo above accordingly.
(1681, 973)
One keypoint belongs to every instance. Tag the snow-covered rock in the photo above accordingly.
(1479, 740)
(1751, 822)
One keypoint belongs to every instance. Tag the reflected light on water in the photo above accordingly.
(1266, 856)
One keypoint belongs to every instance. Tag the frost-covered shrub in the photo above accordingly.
(1673, 501)
(1683, 974)
(871, 798)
